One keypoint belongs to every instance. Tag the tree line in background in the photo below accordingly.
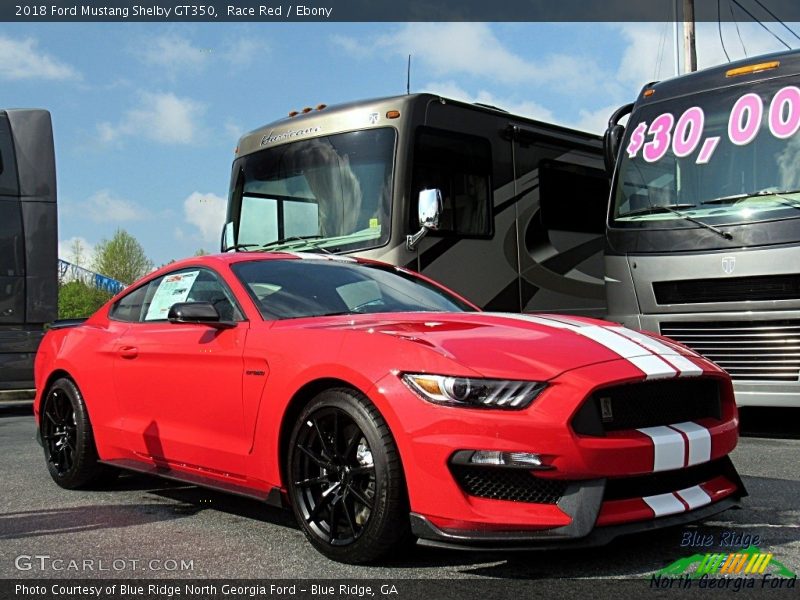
(122, 258)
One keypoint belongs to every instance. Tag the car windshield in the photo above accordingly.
(329, 192)
(309, 287)
(723, 157)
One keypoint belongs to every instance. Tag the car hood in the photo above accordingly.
(524, 346)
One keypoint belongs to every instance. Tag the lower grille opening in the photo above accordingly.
(668, 481)
(648, 404)
(516, 485)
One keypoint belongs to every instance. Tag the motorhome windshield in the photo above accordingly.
(724, 157)
(329, 192)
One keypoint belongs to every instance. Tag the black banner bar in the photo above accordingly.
(472, 587)
(384, 10)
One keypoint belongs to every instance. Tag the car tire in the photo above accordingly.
(68, 439)
(345, 479)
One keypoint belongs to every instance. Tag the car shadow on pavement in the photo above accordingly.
(190, 499)
(16, 409)
(769, 422)
(40, 523)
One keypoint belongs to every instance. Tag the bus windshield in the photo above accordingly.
(328, 192)
(723, 157)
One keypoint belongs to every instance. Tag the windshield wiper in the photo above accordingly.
(779, 194)
(307, 239)
(672, 209)
(242, 247)
(656, 208)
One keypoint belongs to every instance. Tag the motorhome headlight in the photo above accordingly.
(474, 392)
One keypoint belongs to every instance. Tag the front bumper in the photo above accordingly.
(599, 510)
(431, 535)
(598, 475)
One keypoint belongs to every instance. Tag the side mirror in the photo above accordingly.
(227, 241)
(429, 210)
(612, 138)
(197, 312)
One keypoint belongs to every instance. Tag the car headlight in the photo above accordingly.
(474, 392)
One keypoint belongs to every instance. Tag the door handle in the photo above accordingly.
(129, 352)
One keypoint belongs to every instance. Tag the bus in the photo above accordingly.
(28, 245)
(508, 211)
(703, 240)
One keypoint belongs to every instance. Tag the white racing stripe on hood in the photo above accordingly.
(650, 362)
(685, 367)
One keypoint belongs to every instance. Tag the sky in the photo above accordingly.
(146, 116)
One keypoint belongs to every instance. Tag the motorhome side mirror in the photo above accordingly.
(196, 312)
(226, 237)
(612, 138)
(611, 142)
(429, 210)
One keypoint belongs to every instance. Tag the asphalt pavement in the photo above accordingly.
(143, 527)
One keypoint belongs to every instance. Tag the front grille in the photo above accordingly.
(499, 483)
(729, 289)
(647, 404)
(747, 350)
(667, 481)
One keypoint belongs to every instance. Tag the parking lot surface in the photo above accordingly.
(142, 527)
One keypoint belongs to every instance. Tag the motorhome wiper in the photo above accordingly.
(656, 208)
(244, 247)
(298, 238)
(682, 215)
(781, 194)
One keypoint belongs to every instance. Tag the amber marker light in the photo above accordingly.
(393, 114)
(294, 113)
(307, 110)
(322, 106)
(648, 93)
(757, 68)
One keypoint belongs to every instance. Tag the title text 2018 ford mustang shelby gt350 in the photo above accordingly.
(383, 408)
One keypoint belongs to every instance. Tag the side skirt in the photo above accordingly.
(273, 497)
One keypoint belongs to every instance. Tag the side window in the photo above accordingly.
(188, 285)
(8, 168)
(461, 167)
(129, 307)
(573, 197)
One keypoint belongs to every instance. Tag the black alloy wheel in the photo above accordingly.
(68, 440)
(345, 479)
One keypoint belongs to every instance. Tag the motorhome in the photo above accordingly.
(703, 242)
(28, 244)
(508, 211)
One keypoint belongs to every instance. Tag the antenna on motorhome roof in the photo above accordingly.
(408, 76)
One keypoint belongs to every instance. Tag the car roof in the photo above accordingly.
(231, 258)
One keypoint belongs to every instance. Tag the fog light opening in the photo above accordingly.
(526, 460)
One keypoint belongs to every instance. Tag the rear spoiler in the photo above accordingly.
(64, 323)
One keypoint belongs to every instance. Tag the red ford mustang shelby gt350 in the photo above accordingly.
(383, 408)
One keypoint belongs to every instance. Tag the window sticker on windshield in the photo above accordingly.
(172, 289)
(374, 224)
(684, 135)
